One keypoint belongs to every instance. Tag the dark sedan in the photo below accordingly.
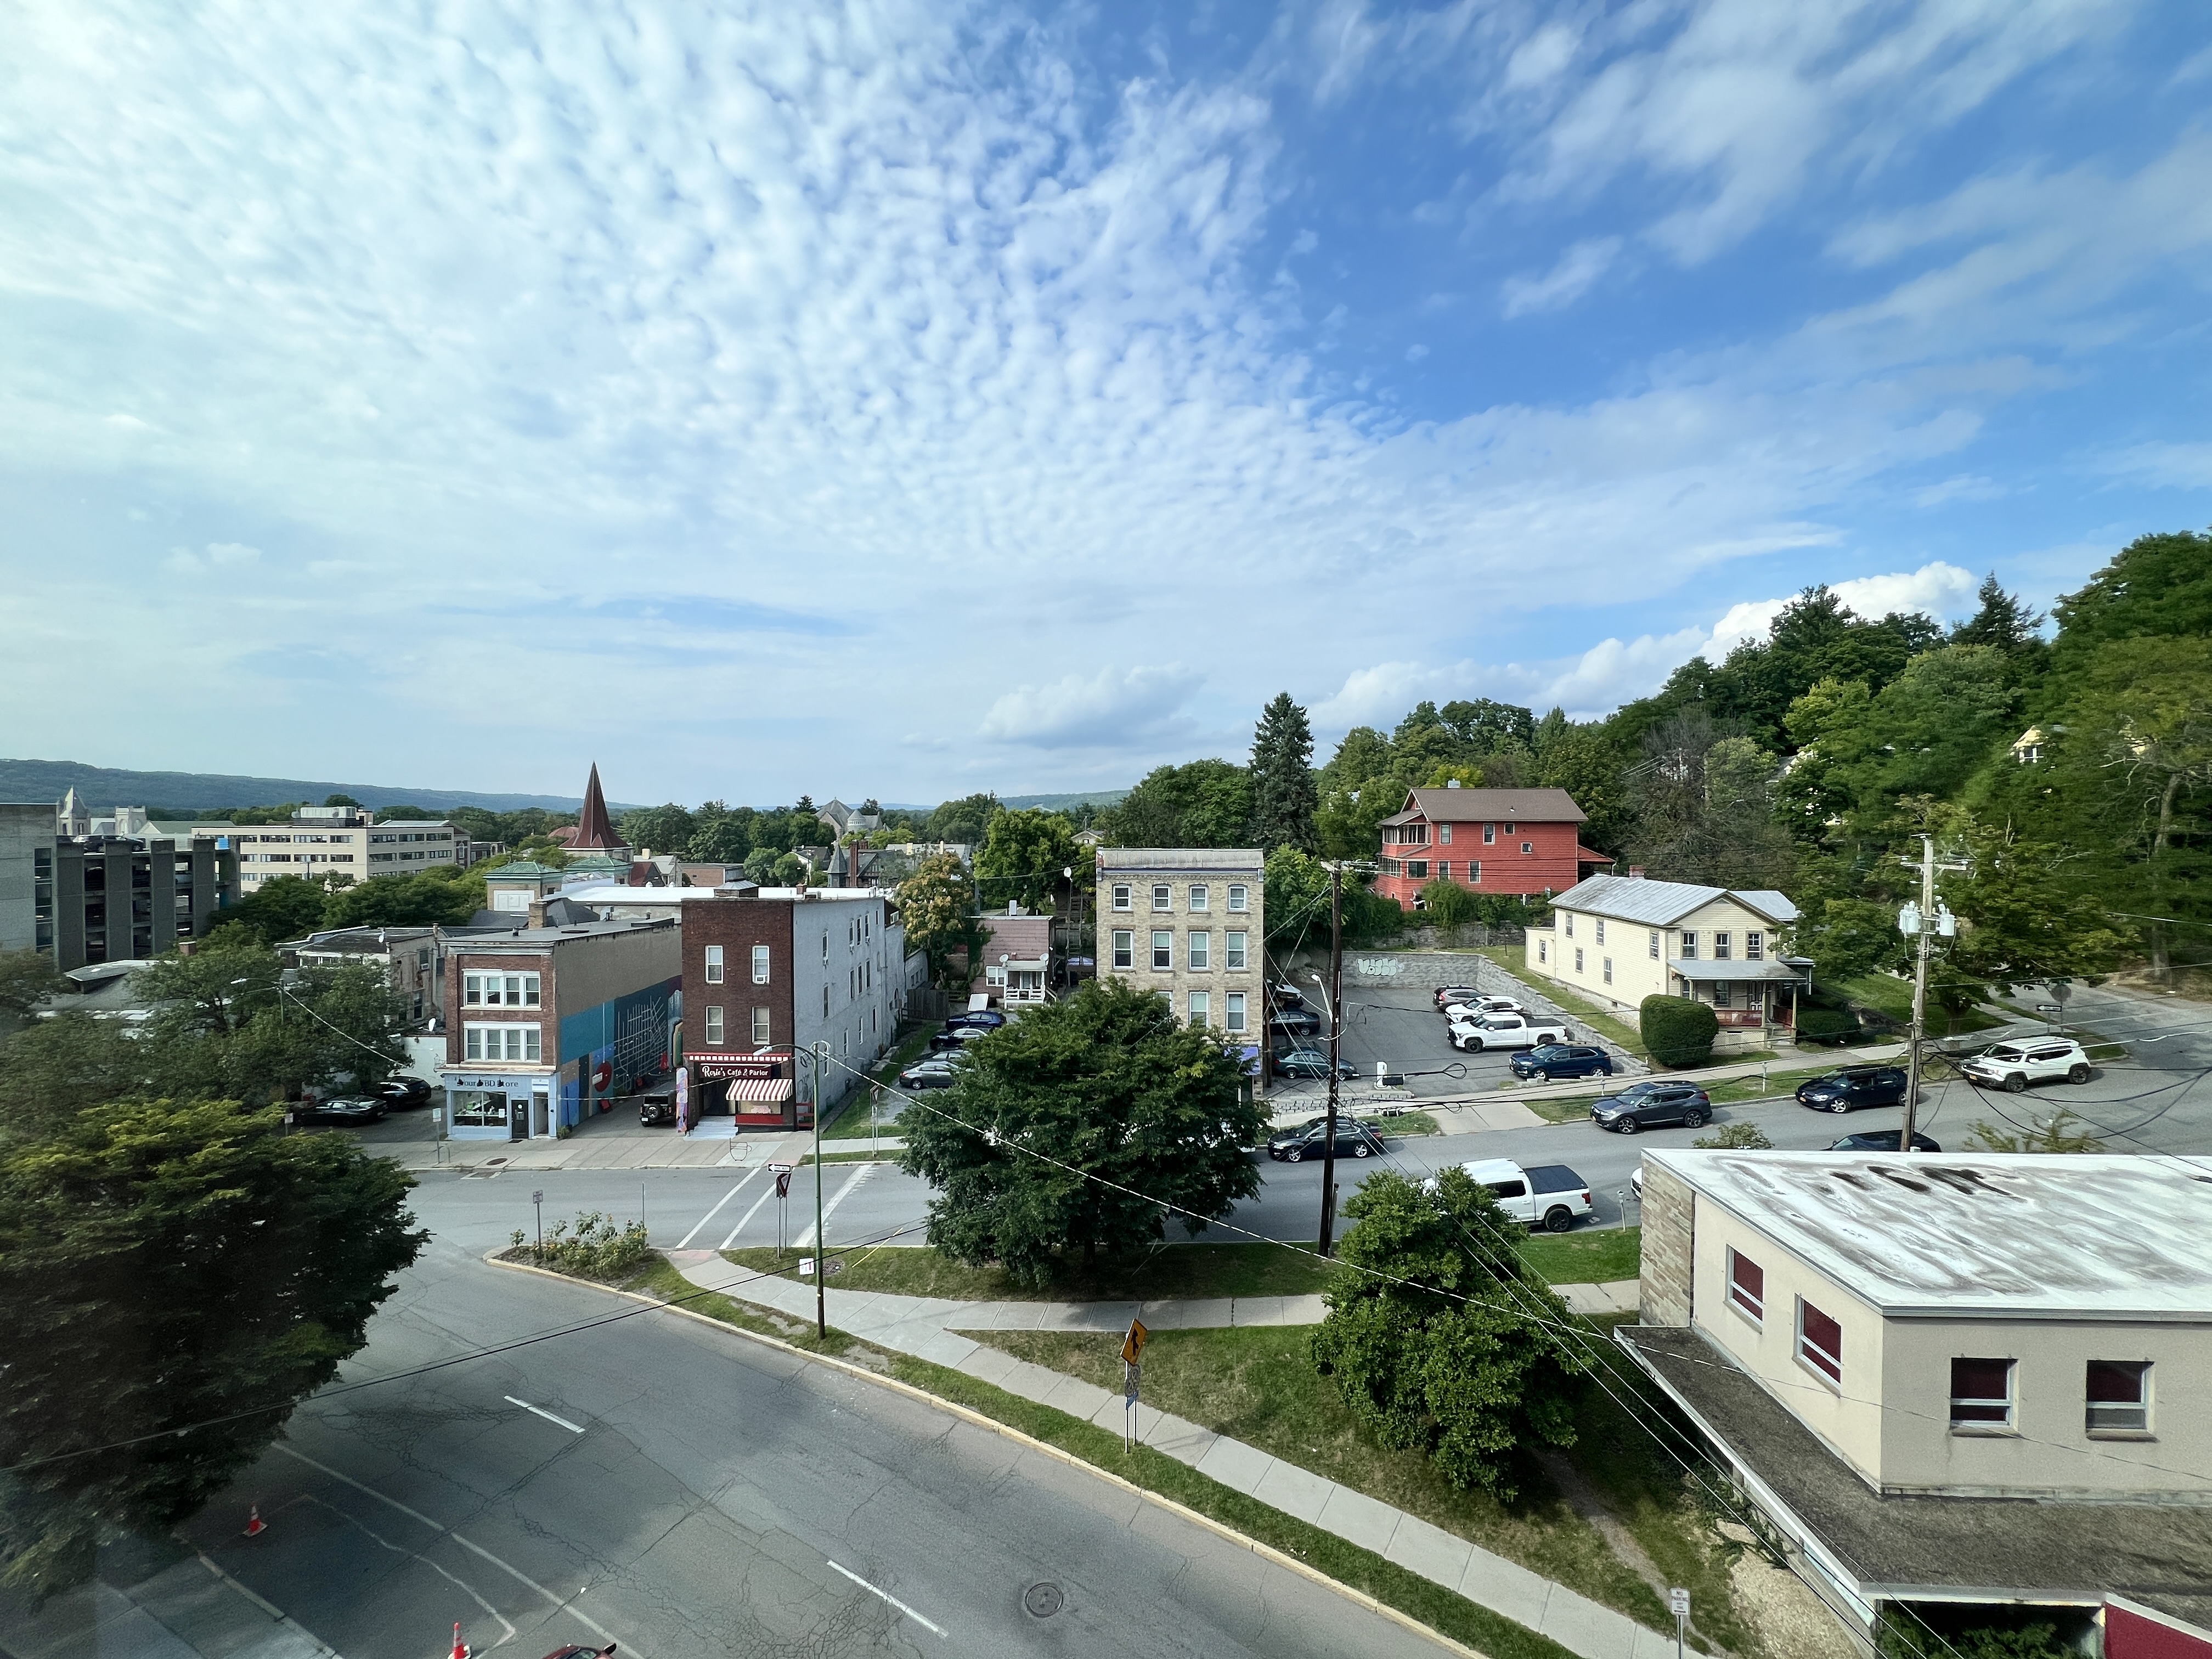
(403, 1094)
(1294, 1022)
(956, 1039)
(1654, 1104)
(352, 1113)
(1852, 1087)
(1311, 1062)
(1558, 1060)
(1353, 1140)
(1882, 1140)
(985, 1019)
(928, 1075)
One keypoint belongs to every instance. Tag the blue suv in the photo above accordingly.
(1557, 1060)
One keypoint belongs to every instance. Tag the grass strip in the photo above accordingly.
(1407, 1123)
(661, 1279)
(1394, 1586)
(1171, 1272)
(849, 1158)
(1588, 1012)
(1599, 1257)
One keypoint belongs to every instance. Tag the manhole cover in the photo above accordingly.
(1043, 1600)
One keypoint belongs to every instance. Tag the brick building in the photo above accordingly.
(1518, 843)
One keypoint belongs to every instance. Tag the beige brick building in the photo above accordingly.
(1189, 923)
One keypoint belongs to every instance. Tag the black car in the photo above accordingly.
(1311, 1062)
(928, 1075)
(1551, 1060)
(354, 1112)
(1654, 1104)
(1852, 1087)
(1353, 1140)
(657, 1105)
(956, 1039)
(1882, 1140)
(1295, 1022)
(985, 1019)
(403, 1094)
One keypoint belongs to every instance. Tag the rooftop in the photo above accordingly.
(539, 938)
(650, 897)
(1737, 971)
(1632, 898)
(1510, 806)
(1182, 858)
(2025, 1235)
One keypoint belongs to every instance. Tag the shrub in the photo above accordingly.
(1678, 1031)
(596, 1248)
(1825, 1024)
(1736, 1137)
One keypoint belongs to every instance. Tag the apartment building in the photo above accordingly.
(1519, 843)
(322, 841)
(1190, 923)
(94, 898)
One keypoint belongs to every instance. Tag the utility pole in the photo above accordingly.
(821, 1261)
(1335, 1034)
(1923, 922)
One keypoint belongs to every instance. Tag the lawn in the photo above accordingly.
(1514, 962)
(1258, 1385)
(1891, 998)
(1405, 1123)
(851, 1122)
(1597, 1257)
(850, 1157)
(1172, 1272)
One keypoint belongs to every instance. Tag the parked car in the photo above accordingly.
(657, 1105)
(1554, 1061)
(1546, 1195)
(1311, 1062)
(957, 1037)
(1280, 996)
(403, 1094)
(1477, 1033)
(2014, 1065)
(1454, 1003)
(1852, 1087)
(987, 1019)
(928, 1075)
(1295, 1022)
(1454, 993)
(1653, 1103)
(352, 1112)
(1882, 1140)
(1353, 1140)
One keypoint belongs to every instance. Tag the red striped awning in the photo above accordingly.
(763, 1088)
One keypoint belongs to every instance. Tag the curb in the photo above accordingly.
(1267, 1552)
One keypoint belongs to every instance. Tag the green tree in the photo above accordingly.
(418, 900)
(2023, 919)
(965, 821)
(230, 1022)
(2063, 1133)
(1297, 899)
(1678, 1030)
(1022, 856)
(1205, 803)
(1703, 807)
(190, 1273)
(340, 800)
(720, 834)
(282, 908)
(1587, 761)
(2157, 587)
(2007, 627)
(937, 907)
(1446, 904)
(664, 828)
(1283, 797)
(26, 979)
(1446, 1345)
(52, 1069)
(1136, 1110)
(406, 813)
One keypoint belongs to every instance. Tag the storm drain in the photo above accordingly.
(1043, 1600)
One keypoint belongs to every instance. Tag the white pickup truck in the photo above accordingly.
(1475, 1033)
(1548, 1196)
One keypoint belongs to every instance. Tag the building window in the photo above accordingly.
(2119, 1396)
(1578, 958)
(1124, 948)
(1236, 1012)
(1981, 1394)
(762, 1030)
(1527, 845)
(713, 1028)
(1489, 834)
(1509, 829)
(760, 964)
(1201, 1008)
(1475, 872)
(1689, 947)
(1609, 970)
(1819, 1342)
(1724, 994)
(1121, 899)
(1754, 947)
(825, 1001)
(1443, 869)
(1163, 949)
(713, 965)
(1237, 896)
(825, 945)
(1232, 950)
(496, 1042)
(1601, 930)
(1201, 953)
(1568, 916)
(499, 990)
(1543, 951)
(1198, 896)
(1746, 1291)
(1417, 869)
(1653, 949)
(1443, 834)
(1161, 896)
(1723, 945)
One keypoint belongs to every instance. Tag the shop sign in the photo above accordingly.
(753, 1068)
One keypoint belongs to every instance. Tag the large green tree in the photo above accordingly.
(1134, 1112)
(173, 1280)
(282, 908)
(665, 828)
(1023, 854)
(1205, 803)
(26, 979)
(937, 907)
(2155, 587)
(445, 896)
(965, 821)
(1283, 797)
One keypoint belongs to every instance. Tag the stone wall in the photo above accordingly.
(1666, 1288)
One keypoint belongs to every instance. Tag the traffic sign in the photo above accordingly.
(1132, 1345)
(782, 1173)
(1129, 1383)
(1678, 1603)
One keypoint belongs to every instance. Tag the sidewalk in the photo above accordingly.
(929, 1329)
(189, 1609)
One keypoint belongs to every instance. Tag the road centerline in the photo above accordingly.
(872, 1590)
(539, 1411)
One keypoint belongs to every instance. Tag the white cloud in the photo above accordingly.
(1960, 487)
(2167, 466)
(1121, 710)
(1565, 283)
(217, 555)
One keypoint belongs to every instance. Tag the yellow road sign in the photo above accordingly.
(1132, 1345)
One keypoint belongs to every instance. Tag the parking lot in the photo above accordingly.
(1399, 1027)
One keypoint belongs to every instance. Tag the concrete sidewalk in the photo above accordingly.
(189, 1609)
(929, 1329)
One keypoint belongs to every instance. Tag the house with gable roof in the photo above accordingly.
(1518, 843)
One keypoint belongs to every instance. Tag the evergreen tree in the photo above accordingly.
(1284, 796)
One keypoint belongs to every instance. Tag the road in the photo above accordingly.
(689, 1493)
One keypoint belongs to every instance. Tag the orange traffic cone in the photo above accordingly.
(461, 1648)
(255, 1526)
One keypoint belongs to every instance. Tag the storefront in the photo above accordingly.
(757, 1089)
(498, 1105)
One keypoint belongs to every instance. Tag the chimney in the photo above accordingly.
(1636, 873)
(536, 913)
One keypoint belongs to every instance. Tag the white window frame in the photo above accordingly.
(1747, 1302)
(1237, 896)
(486, 988)
(1723, 945)
(1601, 930)
(713, 1028)
(760, 964)
(1811, 1354)
(1163, 946)
(2113, 1427)
(763, 1025)
(2004, 1404)
(1163, 898)
(1609, 970)
(1578, 958)
(1444, 834)
(713, 965)
(1490, 835)
(1197, 952)
(1568, 916)
(515, 1040)
(1234, 1012)
(1688, 941)
(1235, 951)
(1124, 897)
(1125, 949)
(1199, 896)
(1655, 945)
(1754, 946)
(1201, 1008)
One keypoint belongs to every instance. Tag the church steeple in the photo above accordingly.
(593, 827)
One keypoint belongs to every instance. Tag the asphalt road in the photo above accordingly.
(687, 1493)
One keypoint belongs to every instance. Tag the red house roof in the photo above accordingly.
(1508, 806)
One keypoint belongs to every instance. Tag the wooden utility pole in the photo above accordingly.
(1335, 1035)
(1931, 919)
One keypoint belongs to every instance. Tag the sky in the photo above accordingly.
(905, 399)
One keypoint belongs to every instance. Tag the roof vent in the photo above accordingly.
(1636, 873)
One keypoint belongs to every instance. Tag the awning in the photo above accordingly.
(761, 1089)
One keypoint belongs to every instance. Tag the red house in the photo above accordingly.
(1524, 843)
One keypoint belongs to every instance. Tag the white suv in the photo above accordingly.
(2013, 1066)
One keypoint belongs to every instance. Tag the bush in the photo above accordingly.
(1736, 1137)
(1678, 1031)
(596, 1249)
(1825, 1024)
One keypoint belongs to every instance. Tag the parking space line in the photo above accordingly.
(685, 1242)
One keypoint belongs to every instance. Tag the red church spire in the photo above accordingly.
(593, 827)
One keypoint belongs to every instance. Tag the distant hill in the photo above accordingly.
(102, 787)
(1061, 802)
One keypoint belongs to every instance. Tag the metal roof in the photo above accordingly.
(1737, 972)
(1506, 805)
(1633, 898)
(1992, 1235)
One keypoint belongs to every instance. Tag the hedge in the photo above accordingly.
(1678, 1031)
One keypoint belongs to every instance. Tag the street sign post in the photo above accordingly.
(1133, 1345)
(1133, 1370)
(1678, 1603)
(782, 1173)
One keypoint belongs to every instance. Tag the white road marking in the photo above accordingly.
(749, 1214)
(888, 1597)
(465, 1588)
(539, 1411)
(684, 1243)
(830, 1209)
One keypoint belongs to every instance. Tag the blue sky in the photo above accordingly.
(904, 400)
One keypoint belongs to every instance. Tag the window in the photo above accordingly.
(2119, 1396)
(1475, 872)
(1198, 896)
(1601, 930)
(1527, 845)
(1568, 916)
(760, 964)
(1609, 970)
(1746, 1291)
(1443, 834)
(1417, 869)
(825, 945)
(1724, 994)
(1443, 869)
(1543, 950)
(1654, 951)
(760, 1028)
(1163, 949)
(713, 1028)
(1161, 900)
(1490, 835)
(496, 1042)
(499, 990)
(713, 965)
(1232, 950)
(1754, 947)
(1201, 1007)
(1723, 947)
(1121, 899)
(1200, 957)
(1819, 1342)
(1689, 947)
(1981, 1394)
(1578, 958)
(1124, 948)
(1237, 896)
(825, 993)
